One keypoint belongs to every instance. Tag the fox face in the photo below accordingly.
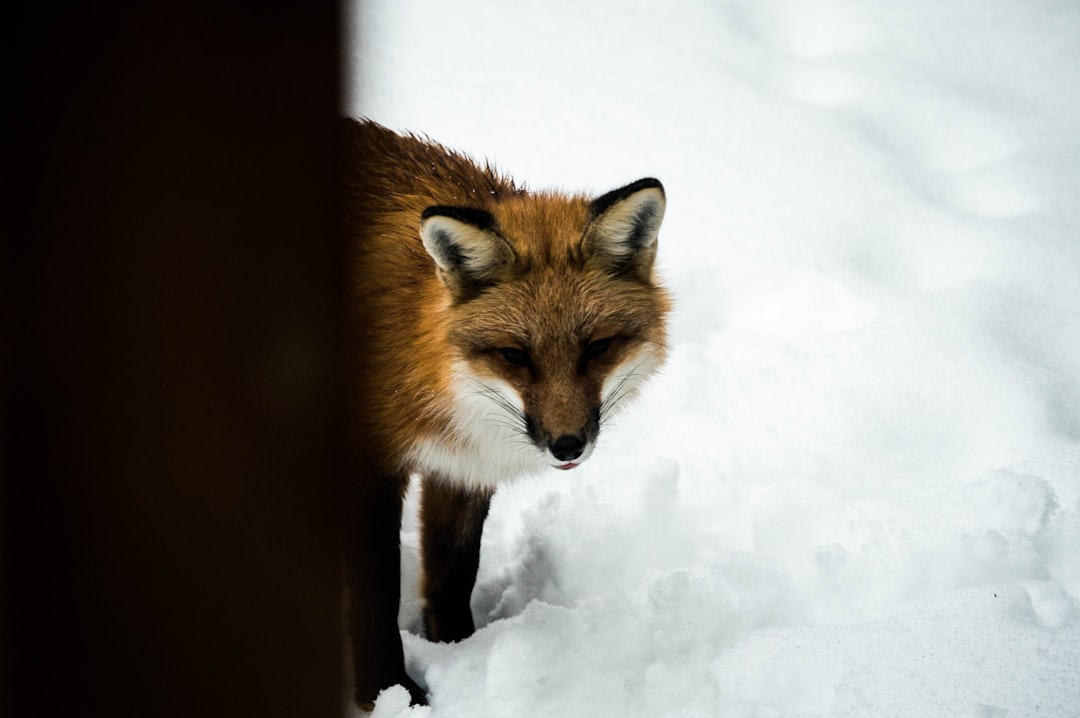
(553, 320)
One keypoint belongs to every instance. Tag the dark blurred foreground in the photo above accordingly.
(172, 363)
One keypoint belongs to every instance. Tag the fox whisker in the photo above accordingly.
(620, 391)
(520, 423)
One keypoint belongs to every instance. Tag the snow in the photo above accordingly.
(855, 488)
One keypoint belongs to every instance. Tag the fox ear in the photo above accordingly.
(467, 249)
(623, 226)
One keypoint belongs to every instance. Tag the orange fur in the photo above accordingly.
(411, 328)
(496, 329)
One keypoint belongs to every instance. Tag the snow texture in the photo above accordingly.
(855, 488)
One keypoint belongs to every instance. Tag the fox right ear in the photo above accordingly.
(623, 226)
(467, 249)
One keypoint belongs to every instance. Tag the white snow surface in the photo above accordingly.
(855, 488)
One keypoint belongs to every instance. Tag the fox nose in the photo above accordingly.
(567, 447)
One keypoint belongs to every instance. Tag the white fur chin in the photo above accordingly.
(489, 446)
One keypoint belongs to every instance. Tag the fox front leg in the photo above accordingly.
(373, 553)
(452, 521)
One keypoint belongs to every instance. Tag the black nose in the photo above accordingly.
(567, 447)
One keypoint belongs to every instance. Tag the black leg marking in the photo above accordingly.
(373, 553)
(452, 524)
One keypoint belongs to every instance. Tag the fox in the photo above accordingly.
(497, 329)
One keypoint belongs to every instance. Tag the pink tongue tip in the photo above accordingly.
(568, 465)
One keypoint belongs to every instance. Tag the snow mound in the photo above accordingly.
(855, 488)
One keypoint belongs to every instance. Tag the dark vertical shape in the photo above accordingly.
(173, 363)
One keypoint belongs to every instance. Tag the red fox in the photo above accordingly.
(498, 330)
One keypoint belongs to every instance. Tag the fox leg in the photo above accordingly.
(373, 555)
(452, 520)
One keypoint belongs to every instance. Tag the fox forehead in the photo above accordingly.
(544, 229)
(551, 306)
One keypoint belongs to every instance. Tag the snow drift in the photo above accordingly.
(855, 489)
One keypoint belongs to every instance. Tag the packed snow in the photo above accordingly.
(855, 488)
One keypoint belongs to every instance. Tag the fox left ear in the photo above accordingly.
(623, 226)
(466, 246)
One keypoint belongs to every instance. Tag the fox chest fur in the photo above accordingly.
(496, 330)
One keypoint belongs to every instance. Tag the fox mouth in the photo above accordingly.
(565, 463)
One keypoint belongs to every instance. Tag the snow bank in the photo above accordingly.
(855, 489)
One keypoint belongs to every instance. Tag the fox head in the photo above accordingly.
(553, 318)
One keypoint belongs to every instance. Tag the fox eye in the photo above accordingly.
(520, 357)
(596, 348)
